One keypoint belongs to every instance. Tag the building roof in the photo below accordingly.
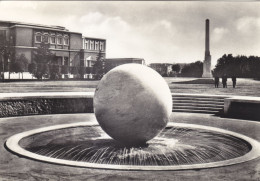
(163, 64)
(118, 59)
(12, 23)
(93, 38)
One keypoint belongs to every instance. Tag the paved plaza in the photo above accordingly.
(245, 87)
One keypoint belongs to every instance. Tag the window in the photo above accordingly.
(89, 63)
(66, 41)
(86, 45)
(96, 45)
(66, 60)
(101, 46)
(59, 40)
(91, 45)
(53, 40)
(45, 38)
(38, 38)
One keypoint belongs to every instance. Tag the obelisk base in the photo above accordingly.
(207, 75)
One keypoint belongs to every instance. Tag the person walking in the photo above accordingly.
(216, 81)
(224, 81)
(234, 80)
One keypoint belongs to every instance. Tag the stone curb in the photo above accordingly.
(13, 144)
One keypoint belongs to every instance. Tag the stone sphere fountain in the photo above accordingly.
(132, 104)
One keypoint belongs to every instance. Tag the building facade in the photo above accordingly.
(92, 48)
(114, 62)
(164, 69)
(70, 48)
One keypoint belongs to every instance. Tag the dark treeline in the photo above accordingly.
(239, 66)
(192, 70)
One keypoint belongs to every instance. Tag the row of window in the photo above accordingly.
(93, 45)
(64, 40)
(60, 40)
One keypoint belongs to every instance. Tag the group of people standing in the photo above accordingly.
(224, 81)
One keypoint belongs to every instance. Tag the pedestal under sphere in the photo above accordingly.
(132, 103)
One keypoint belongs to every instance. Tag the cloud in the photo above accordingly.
(158, 31)
(166, 24)
(100, 24)
(92, 18)
(12, 5)
(219, 34)
(125, 40)
(248, 24)
(117, 31)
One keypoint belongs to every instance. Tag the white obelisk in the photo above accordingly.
(207, 60)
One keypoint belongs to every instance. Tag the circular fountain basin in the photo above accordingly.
(178, 147)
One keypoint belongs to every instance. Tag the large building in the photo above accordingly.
(70, 48)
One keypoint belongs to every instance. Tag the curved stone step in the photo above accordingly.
(198, 108)
(198, 101)
(198, 105)
(195, 111)
(210, 104)
(199, 95)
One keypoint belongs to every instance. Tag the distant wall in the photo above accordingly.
(243, 107)
(75, 41)
(23, 104)
(24, 36)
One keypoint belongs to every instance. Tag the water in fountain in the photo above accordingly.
(174, 146)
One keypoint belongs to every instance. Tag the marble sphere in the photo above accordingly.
(132, 103)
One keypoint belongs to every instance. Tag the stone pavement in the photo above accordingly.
(13, 167)
(245, 87)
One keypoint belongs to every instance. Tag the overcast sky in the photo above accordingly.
(158, 31)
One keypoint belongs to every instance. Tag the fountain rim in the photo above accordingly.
(12, 144)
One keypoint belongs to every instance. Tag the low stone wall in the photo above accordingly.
(22, 104)
(45, 103)
(242, 107)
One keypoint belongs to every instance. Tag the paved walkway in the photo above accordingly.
(245, 87)
(15, 168)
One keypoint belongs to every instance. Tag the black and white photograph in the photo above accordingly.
(129, 90)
